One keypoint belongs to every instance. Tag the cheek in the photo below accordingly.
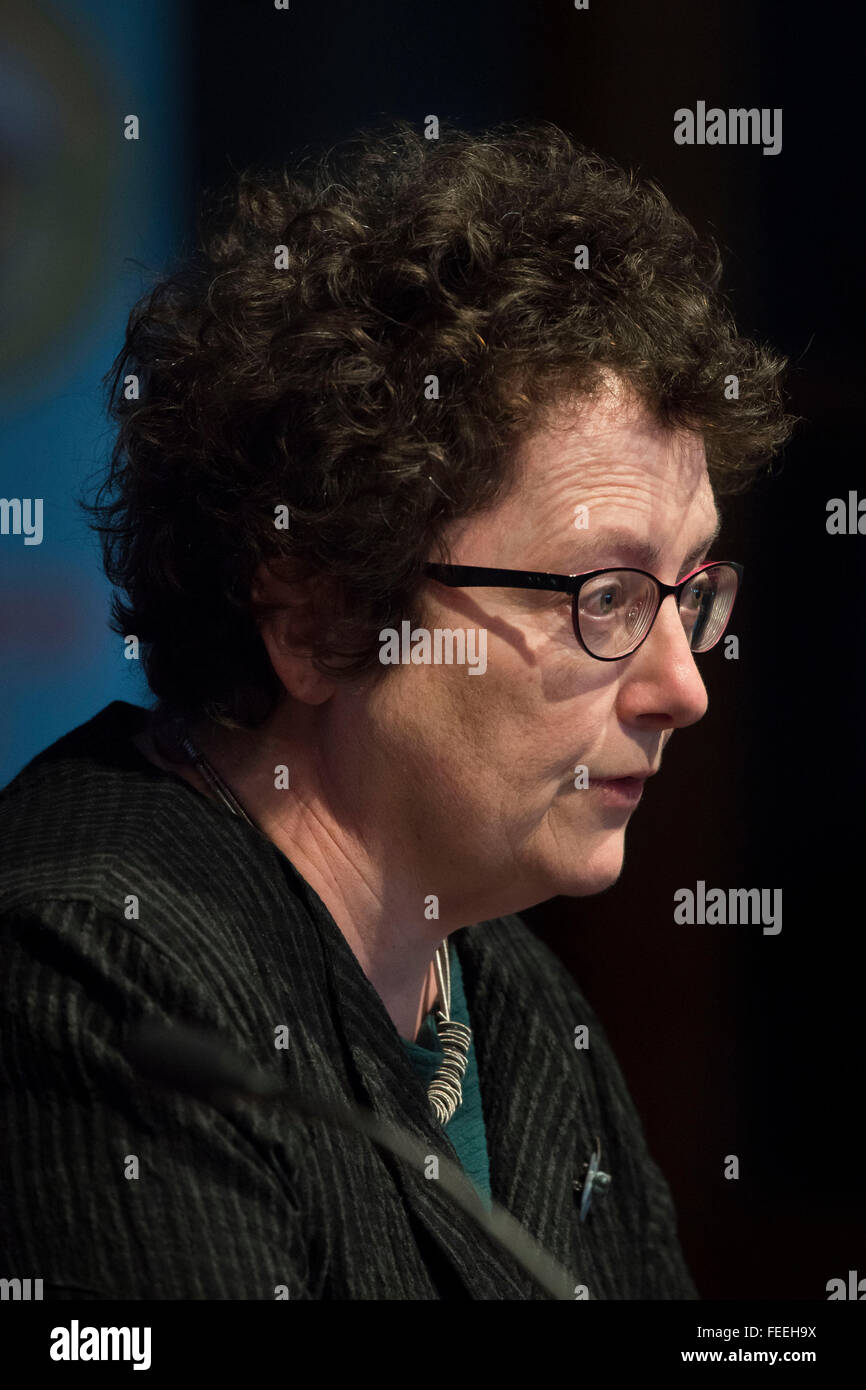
(532, 705)
(438, 719)
(522, 723)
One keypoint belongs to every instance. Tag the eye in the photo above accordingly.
(602, 599)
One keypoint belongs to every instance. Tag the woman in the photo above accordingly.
(365, 444)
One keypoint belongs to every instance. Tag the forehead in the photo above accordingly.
(607, 464)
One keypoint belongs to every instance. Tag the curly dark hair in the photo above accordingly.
(287, 366)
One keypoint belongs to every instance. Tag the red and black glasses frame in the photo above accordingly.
(483, 577)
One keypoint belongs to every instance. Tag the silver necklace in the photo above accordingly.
(445, 1091)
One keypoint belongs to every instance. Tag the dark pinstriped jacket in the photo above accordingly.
(230, 1203)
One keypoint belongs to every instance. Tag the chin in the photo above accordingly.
(586, 889)
(591, 872)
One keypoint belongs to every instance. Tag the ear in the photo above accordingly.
(286, 616)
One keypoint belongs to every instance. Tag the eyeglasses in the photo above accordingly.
(613, 610)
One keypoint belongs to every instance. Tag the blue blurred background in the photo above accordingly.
(87, 218)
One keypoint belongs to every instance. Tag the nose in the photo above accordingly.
(661, 687)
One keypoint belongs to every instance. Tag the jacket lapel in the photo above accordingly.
(383, 1078)
(533, 1108)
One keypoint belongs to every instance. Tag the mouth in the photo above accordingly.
(621, 791)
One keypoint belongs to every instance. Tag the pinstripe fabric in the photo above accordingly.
(231, 1203)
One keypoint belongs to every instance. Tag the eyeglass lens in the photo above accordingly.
(616, 609)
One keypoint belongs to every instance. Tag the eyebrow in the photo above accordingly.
(643, 554)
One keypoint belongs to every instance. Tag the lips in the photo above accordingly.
(621, 793)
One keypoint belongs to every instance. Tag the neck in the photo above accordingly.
(381, 918)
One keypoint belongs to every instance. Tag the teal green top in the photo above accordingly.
(466, 1128)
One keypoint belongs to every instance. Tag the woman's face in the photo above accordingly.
(480, 768)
